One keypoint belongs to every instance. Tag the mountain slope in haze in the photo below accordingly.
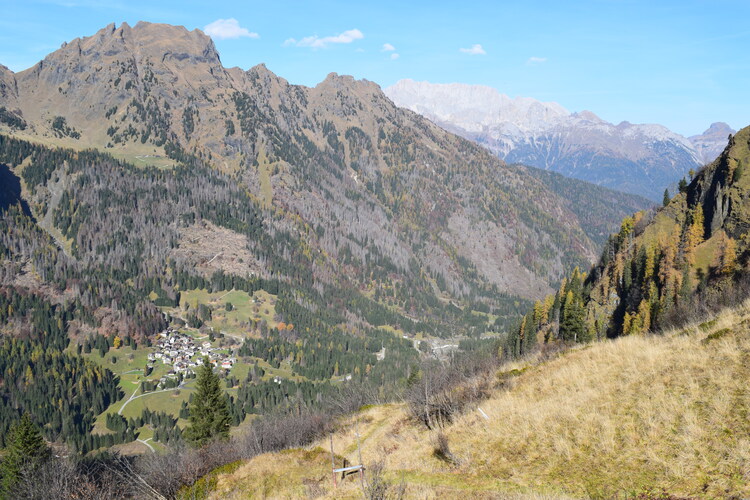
(643, 417)
(340, 157)
(712, 142)
(640, 159)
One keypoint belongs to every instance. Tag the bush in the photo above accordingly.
(378, 488)
(442, 450)
(443, 391)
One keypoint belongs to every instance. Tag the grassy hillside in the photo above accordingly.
(641, 416)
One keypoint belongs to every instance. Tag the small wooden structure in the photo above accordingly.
(351, 469)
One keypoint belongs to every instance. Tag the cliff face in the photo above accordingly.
(722, 189)
(8, 88)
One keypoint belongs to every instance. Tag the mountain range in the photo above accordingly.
(640, 159)
(339, 157)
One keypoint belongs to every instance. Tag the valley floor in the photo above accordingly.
(643, 416)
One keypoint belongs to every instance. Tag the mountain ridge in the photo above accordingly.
(642, 159)
(154, 87)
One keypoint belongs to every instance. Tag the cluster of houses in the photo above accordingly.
(184, 354)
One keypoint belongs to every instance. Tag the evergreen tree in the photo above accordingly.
(209, 410)
(666, 199)
(572, 326)
(26, 448)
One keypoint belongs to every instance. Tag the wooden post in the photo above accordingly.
(333, 465)
(361, 464)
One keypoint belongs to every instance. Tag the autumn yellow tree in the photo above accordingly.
(727, 255)
(649, 266)
(696, 231)
(626, 230)
(626, 323)
(644, 314)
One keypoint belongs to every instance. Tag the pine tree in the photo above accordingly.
(26, 448)
(666, 199)
(572, 323)
(209, 410)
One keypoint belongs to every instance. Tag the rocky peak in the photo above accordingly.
(263, 78)
(155, 44)
(347, 83)
(345, 97)
(719, 128)
(589, 116)
(711, 143)
(175, 42)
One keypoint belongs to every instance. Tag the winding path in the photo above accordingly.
(146, 442)
(133, 396)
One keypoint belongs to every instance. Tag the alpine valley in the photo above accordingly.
(206, 272)
(157, 182)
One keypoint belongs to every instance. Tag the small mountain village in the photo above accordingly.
(185, 354)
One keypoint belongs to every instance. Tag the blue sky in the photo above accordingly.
(682, 64)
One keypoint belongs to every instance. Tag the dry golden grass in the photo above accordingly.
(640, 415)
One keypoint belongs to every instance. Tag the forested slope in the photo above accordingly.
(662, 268)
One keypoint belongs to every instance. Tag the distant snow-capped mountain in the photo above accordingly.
(640, 159)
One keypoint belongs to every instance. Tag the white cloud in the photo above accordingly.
(316, 42)
(394, 56)
(387, 47)
(224, 29)
(475, 49)
(535, 60)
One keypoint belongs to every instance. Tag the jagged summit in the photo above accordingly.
(143, 43)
